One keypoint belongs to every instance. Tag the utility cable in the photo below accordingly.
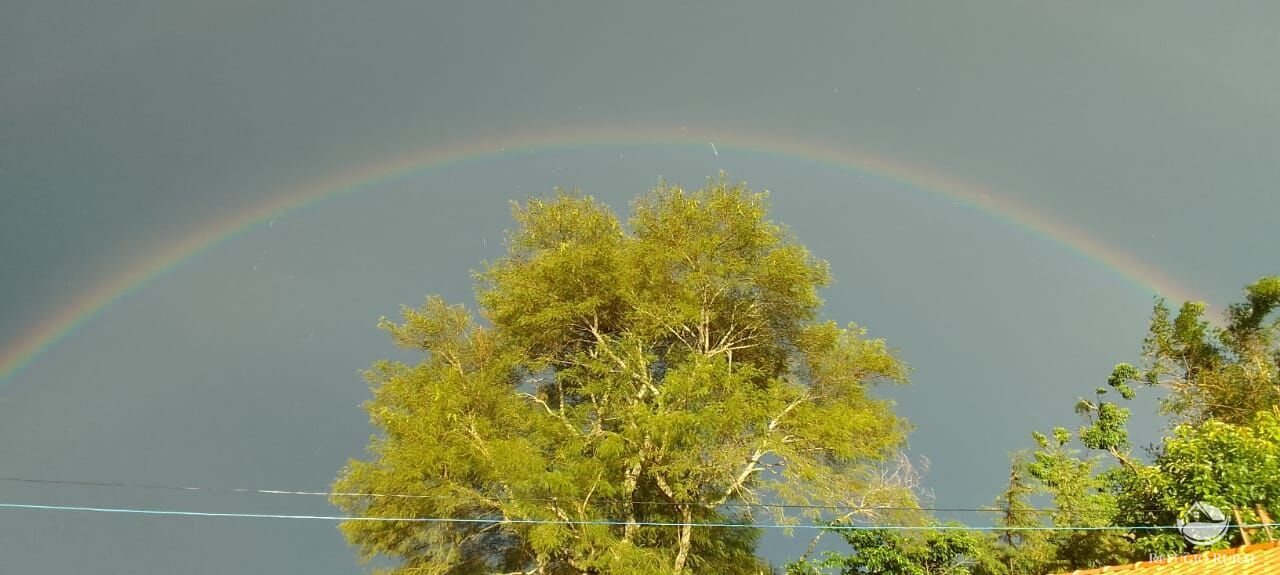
(615, 523)
(327, 494)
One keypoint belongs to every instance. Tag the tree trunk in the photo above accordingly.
(629, 489)
(686, 535)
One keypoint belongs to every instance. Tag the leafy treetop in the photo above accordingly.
(672, 370)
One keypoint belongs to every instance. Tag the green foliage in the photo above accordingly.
(884, 552)
(1018, 549)
(653, 372)
(1224, 447)
(1080, 498)
(1225, 374)
(1223, 464)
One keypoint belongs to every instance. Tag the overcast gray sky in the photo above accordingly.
(124, 125)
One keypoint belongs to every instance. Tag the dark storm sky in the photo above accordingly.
(124, 125)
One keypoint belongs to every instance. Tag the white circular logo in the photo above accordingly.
(1203, 524)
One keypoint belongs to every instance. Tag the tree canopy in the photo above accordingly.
(619, 384)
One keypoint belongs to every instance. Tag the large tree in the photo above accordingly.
(622, 385)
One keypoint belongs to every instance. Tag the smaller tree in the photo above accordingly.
(1083, 503)
(1019, 548)
(1223, 394)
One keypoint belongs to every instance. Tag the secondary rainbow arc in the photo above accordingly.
(36, 341)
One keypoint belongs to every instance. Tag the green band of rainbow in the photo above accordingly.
(36, 341)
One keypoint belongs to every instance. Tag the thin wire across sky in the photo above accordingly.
(327, 494)
(583, 522)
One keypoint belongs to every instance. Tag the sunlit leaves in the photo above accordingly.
(653, 372)
(883, 552)
(1226, 373)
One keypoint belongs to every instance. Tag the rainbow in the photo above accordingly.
(37, 340)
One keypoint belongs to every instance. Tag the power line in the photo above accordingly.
(737, 504)
(606, 522)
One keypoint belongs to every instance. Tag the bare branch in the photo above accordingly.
(553, 413)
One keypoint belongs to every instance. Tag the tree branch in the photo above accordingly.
(553, 413)
(753, 462)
